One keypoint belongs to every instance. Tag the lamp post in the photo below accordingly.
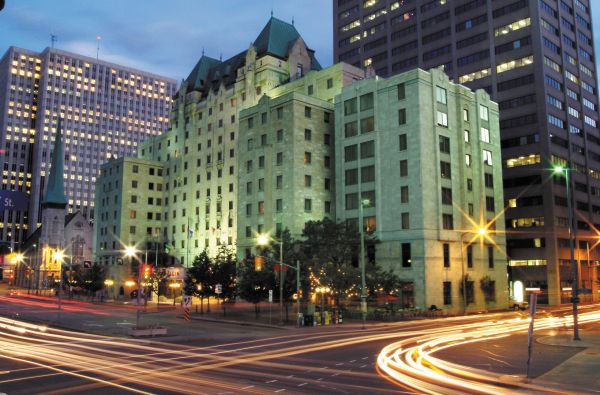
(480, 232)
(574, 272)
(363, 281)
(59, 256)
(130, 252)
(263, 240)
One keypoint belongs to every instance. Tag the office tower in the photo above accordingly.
(107, 111)
(536, 60)
(422, 156)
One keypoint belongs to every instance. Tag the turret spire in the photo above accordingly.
(55, 192)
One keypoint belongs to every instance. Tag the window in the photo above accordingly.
(465, 115)
(134, 184)
(350, 107)
(489, 203)
(307, 158)
(308, 112)
(401, 92)
(307, 134)
(351, 129)
(404, 194)
(249, 187)
(470, 256)
(487, 157)
(367, 174)
(403, 168)
(467, 136)
(307, 205)
(307, 181)
(405, 219)
(445, 144)
(366, 102)
(406, 256)
(367, 125)
(402, 116)
(279, 158)
(279, 205)
(279, 182)
(447, 222)
(132, 214)
(442, 119)
(447, 196)
(441, 95)
(470, 292)
(367, 149)
(446, 250)
(280, 135)
(350, 153)
(485, 135)
(489, 180)
(135, 169)
(447, 285)
(261, 208)
(403, 145)
(483, 113)
(490, 257)
(445, 170)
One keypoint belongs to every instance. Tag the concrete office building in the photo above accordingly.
(536, 60)
(107, 111)
(422, 155)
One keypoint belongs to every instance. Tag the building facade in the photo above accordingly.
(422, 155)
(536, 60)
(129, 212)
(286, 156)
(107, 111)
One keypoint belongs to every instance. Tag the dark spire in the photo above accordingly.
(55, 192)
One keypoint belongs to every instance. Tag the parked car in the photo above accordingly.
(516, 305)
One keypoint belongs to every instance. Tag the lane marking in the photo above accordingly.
(335, 374)
(339, 364)
(363, 366)
(290, 376)
(354, 360)
(365, 358)
(250, 386)
(270, 381)
(281, 390)
(301, 385)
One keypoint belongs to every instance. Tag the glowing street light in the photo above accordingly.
(108, 282)
(560, 170)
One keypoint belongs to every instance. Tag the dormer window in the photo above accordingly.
(299, 71)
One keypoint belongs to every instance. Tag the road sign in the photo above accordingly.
(218, 289)
(186, 301)
(270, 296)
(11, 200)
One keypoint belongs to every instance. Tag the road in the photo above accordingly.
(391, 358)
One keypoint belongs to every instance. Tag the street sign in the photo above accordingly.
(218, 289)
(11, 200)
(186, 301)
(270, 296)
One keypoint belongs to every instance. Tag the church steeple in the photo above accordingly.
(55, 192)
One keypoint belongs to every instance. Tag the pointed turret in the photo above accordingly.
(55, 192)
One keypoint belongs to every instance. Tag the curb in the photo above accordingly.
(240, 323)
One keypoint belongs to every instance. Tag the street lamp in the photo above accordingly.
(130, 252)
(363, 286)
(558, 169)
(263, 240)
(58, 257)
(479, 232)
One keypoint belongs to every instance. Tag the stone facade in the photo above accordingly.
(419, 142)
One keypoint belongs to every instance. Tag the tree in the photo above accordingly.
(92, 279)
(253, 286)
(488, 286)
(200, 279)
(225, 274)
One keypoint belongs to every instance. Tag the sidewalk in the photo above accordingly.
(583, 369)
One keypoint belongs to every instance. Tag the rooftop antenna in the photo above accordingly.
(292, 21)
(52, 39)
(98, 38)
(202, 51)
(271, 12)
(221, 57)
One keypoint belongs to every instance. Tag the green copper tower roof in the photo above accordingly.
(55, 192)
(275, 38)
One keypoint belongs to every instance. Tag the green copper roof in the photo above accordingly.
(275, 39)
(55, 192)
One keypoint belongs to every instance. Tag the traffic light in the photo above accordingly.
(258, 263)
(146, 270)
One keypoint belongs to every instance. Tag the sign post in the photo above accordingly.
(532, 306)
(186, 302)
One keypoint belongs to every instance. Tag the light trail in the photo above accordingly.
(410, 362)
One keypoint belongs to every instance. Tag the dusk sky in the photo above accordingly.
(164, 37)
